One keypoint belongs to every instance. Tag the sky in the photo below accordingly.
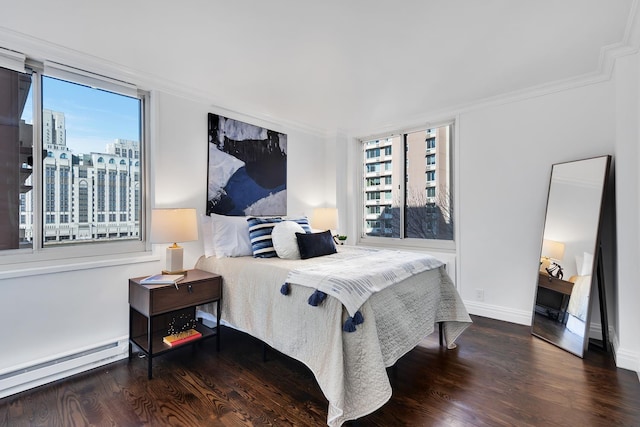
(93, 118)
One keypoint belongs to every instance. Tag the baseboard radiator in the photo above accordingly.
(43, 371)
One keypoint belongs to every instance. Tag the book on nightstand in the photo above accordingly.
(181, 337)
(162, 279)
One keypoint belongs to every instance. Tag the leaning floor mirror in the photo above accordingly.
(570, 253)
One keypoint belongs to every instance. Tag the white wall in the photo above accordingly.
(627, 78)
(506, 153)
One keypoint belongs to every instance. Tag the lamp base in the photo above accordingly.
(174, 260)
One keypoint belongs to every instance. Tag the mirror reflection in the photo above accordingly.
(569, 250)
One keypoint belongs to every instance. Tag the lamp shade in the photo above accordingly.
(173, 225)
(325, 218)
(552, 249)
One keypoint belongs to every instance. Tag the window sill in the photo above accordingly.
(59, 266)
(409, 244)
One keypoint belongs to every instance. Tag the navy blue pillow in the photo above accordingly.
(315, 244)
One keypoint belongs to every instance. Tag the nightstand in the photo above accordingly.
(153, 307)
(558, 300)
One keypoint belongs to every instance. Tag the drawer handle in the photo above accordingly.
(190, 289)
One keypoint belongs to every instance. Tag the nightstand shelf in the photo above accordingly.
(153, 307)
(160, 347)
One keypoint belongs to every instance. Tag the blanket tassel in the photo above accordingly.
(316, 298)
(284, 289)
(358, 318)
(351, 322)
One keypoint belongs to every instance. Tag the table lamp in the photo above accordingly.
(551, 250)
(172, 226)
(325, 219)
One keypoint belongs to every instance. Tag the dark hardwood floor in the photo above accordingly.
(557, 332)
(499, 375)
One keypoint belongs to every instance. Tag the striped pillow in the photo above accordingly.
(260, 236)
(303, 221)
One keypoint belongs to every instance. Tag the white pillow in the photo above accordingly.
(587, 265)
(230, 236)
(207, 235)
(284, 239)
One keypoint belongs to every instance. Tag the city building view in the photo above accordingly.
(86, 196)
(409, 172)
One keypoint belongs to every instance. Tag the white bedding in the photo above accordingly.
(579, 299)
(349, 367)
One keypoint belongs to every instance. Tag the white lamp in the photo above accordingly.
(172, 226)
(551, 250)
(325, 218)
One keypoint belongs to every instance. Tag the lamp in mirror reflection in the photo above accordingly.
(173, 226)
(551, 251)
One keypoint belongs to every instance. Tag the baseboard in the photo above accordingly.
(625, 359)
(628, 360)
(520, 317)
(39, 372)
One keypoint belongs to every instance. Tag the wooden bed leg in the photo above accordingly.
(440, 334)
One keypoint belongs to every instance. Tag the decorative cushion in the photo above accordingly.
(284, 239)
(586, 269)
(315, 244)
(230, 236)
(207, 235)
(302, 220)
(260, 236)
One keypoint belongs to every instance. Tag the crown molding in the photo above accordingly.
(608, 55)
(42, 50)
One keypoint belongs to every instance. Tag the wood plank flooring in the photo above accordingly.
(498, 376)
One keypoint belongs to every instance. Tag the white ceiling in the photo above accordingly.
(348, 65)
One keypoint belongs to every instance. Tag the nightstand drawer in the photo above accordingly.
(558, 285)
(188, 294)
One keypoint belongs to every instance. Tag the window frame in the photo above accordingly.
(72, 253)
(447, 246)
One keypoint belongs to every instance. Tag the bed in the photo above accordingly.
(578, 306)
(350, 367)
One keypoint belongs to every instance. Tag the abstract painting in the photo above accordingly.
(247, 169)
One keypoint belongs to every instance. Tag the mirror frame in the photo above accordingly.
(596, 266)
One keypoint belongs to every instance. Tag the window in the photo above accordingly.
(373, 181)
(373, 167)
(64, 195)
(372, 153)
(419, 203)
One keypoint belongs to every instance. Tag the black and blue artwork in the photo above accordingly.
(247, 169)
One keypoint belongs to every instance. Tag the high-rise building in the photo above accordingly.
(85, 196)
(420, 185)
